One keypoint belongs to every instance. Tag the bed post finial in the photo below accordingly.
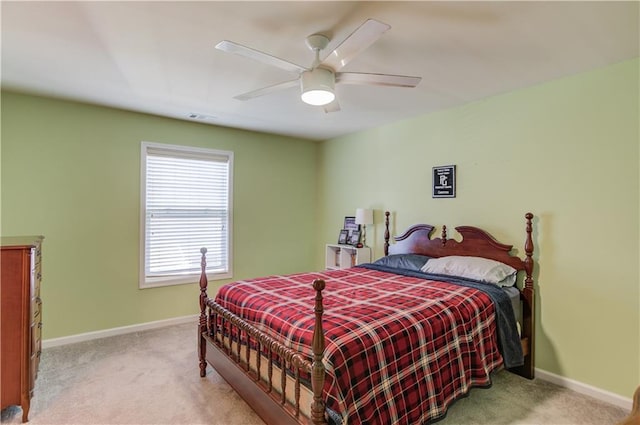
(202, 325)
(386, 233)
(318, 369)
(528, 249)
(444, 235)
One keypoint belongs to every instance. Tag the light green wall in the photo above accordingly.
(565, 150)
(71, 172)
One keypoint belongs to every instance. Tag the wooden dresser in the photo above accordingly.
(21, 314)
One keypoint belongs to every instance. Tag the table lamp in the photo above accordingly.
(364, 217)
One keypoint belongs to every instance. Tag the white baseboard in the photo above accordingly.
(582, 388)
(585, 389)
(54, 342)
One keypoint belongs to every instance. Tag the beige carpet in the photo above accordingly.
(152, 377)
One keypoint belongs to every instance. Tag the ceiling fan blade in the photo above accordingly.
(267, 90)
(332, 107)
(359, 40)
(248, 52)
(377, 79)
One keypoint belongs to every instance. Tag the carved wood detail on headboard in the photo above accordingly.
(475, 242)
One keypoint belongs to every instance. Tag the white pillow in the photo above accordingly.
(476, 268)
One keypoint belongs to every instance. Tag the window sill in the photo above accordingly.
(158, 282)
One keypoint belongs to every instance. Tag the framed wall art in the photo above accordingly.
(444, 182)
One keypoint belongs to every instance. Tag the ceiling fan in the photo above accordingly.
(317, 82)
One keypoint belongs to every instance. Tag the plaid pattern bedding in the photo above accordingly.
(399, 349)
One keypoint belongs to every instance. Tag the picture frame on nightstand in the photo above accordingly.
(354, 239)
(350, 226)
(344, 237)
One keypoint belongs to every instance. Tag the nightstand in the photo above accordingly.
(345, 256)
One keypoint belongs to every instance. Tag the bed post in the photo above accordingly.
(386, 233)
(529, 295)
(202, 326)
(317, 380)
(528, 301)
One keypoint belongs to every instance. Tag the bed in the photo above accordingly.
(391, 342)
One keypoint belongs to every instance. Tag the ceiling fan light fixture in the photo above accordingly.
(318, 87)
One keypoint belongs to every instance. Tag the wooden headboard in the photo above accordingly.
(475, 242)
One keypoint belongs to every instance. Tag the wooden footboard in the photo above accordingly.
(225, 341)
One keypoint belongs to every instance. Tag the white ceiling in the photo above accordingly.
(159, 57)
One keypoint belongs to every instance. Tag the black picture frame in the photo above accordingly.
(350, 225)
(344, 237)
(354, 238)
(444, 182)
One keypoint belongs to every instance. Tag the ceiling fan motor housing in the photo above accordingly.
(318, 86)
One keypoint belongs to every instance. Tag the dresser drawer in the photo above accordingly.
(35, 361)
(38, 349)
(36, 338)
(36, 277)
(36, 310)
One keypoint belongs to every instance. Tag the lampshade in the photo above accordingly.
(364, 216)
(317, 87)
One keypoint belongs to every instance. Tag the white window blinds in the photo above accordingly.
(186, 206)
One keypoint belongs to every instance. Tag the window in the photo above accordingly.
(186, 205)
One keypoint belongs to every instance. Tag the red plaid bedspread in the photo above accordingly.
(399, 349)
